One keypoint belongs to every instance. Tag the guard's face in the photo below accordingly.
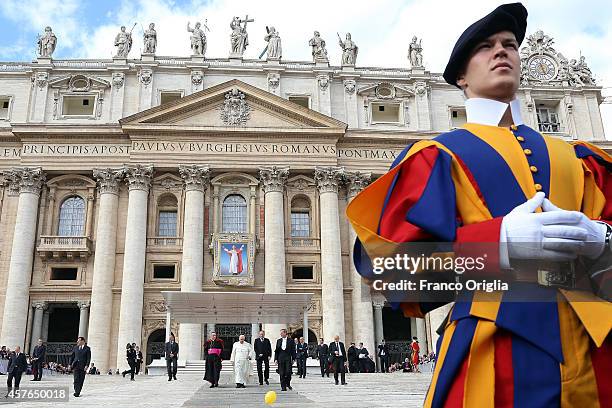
(493, 70)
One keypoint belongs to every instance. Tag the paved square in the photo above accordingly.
(363, 390)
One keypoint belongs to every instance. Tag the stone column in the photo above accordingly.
(138, 178)
(252, 210)
(37, 324)
(421, 334)
(216, 215)
(50, 211)
(16, 304)
(100, 313)
(210, 327)
(168, 324)
(332, 295)
(361, 301)
(83, 317)
(89, 217)
(196, 179)
(436, 317)
(378, 304)
(45, 325)
(273, 181)
(254, 332)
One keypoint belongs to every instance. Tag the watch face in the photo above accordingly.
(542, 68)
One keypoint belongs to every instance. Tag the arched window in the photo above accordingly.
(300, 217)
(72, 217)
(234, 214)
(167, 214)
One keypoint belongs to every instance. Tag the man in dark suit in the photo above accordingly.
(79, 361)
(284, 354)
(322, 355)
(338, 354)
(172, 350)
(302, 355)
(131, 356)
(263, 352)
(38, 357)
(383, 354)
(352, 358)
(16, 366)
(362, 358)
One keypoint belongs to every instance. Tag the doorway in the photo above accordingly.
(230, 333)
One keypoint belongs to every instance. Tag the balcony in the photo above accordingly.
(69, 247)
(165, 244)
(303, 243)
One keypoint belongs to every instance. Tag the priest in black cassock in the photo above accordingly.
(212, 352)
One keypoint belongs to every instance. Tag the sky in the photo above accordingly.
(382, 29)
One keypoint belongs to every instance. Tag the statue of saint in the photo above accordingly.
(319, 53)
(46, 43)
(349, 50)
(123, 42)
(150, 40)
(198, 39)
(274, 49)
(415, 53)
(239, 38)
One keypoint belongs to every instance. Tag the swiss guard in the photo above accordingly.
(543, 204)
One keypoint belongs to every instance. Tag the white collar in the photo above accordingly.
(490, 112)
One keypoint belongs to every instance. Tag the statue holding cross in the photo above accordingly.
(239, 37)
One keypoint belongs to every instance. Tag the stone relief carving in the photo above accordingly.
(420, 88)
(273, 80)
(319, 53)
(145, 75)
(150, 40)
(274, 49)
(170, 184)
(349, 50)
(118, 79)
(323, 81)
(123, 42)
(235, 110)
(195, 176)
(197, 77)
(415, 53)
(40, 79)
(273, 178)
(349, 86)
(356, 181)
(157, 306)
(198, 38)
(46, 43)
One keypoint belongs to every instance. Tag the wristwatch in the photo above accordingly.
(608, 236)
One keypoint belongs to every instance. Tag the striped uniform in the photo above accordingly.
(457, 188)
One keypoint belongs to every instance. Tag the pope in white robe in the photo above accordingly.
(242, 353)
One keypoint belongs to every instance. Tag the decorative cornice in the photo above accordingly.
(25, 179)
(195, 176)
(356, 181)
(108, 179)
(138, 177)
(273, 178)
(328, 178)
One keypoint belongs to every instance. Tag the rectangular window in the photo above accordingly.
(5, 103)
(301, 100)
(458, 117)
(163, 271)
(166, 97)
(78, 105)
(302, 272)
(167, 224)
(300, 224)
(548, 120)
(64, 273)
(385, 112)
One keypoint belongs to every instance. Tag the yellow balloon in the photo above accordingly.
(270, 397)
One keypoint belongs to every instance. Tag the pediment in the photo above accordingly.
(232, 105)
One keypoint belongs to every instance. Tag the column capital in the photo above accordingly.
(83, 304)
(40, 305)
(25, 179)
(108, 179)
(328, 178)
(195, 176)
(356, 181)
(378, 301)
(138, 176)
(273, 178)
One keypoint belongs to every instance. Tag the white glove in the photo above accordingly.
(595, 231)
(550, 236)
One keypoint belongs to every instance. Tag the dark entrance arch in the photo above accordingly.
(398, 334)
(155, 345)
(312, 339)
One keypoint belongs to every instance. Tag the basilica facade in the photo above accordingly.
(124, 178)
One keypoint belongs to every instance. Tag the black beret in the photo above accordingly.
(507, 17)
